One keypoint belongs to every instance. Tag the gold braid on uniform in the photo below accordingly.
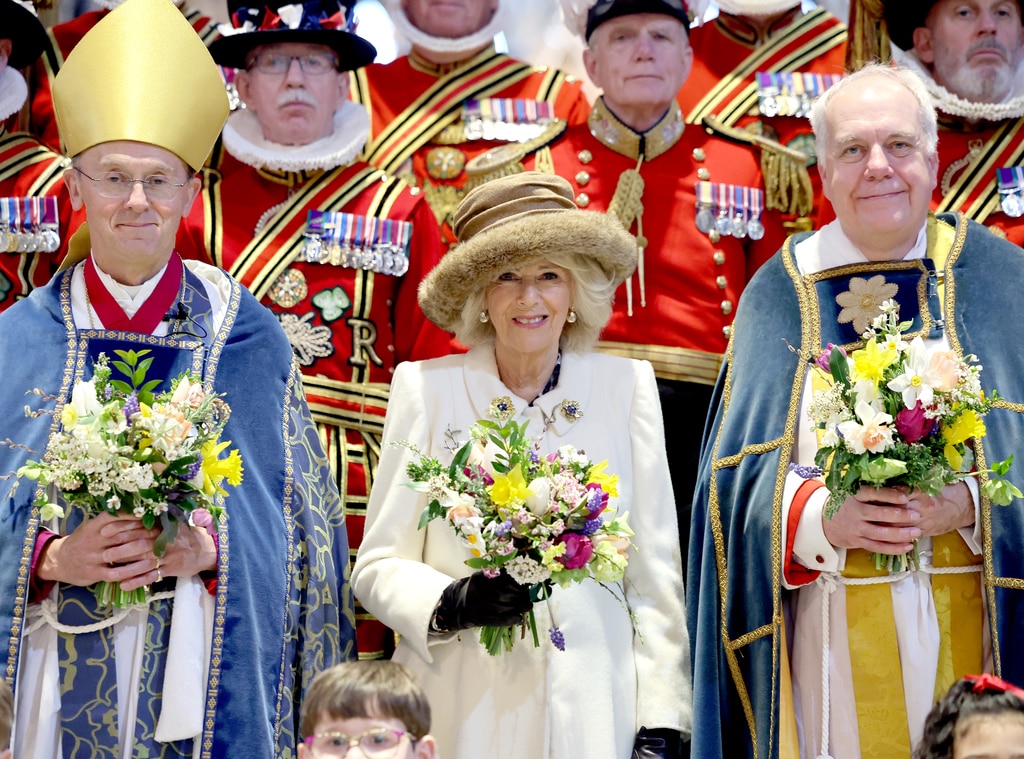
(787, 183)
(626, 206)
(627, 203)
(868, 38)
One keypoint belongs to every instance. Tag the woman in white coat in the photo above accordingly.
(530, 287)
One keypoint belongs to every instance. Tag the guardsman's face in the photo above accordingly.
(639, 61)
(295, 106)
(450, 18)
(973, 47)
(877, 171)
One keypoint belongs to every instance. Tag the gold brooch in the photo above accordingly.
(502, 408)
(571, 410)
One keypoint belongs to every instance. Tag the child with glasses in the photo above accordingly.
(980, 716)
(377, 706)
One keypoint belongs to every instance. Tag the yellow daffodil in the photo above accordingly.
(69, 416)
(216, 470)
(872, 360)
(968, 425)
(509, 488)
(609, 482)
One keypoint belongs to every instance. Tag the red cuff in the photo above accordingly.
(794, 573)
(39, 589)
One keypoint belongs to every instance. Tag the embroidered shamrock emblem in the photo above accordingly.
(332, 303)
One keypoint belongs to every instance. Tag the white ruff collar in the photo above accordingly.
(755, 7)
(424, 41)
(243, 139)
(13, 92)
(954, 105)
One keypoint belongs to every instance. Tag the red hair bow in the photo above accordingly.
(989, 682)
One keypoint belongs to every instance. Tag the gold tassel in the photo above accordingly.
(627, 206)
(868, 38)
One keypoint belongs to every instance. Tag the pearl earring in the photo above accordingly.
(571, 318)
(484, 318)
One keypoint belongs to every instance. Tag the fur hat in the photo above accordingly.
(903, 17)
(19, 23)
(509, 222)
(318, 22)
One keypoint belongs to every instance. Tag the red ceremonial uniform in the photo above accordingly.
(726, 61)
(416, 112)
(676, 311)
(349, 327)
(62, 39)
(691, 280)
(30, 170)
(969, 157)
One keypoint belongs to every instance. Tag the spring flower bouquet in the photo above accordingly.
(122, 450)
(900, 413)
(543, 519)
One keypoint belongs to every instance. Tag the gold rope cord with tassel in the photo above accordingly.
(626, 205)
(868, 38)
(787, 182)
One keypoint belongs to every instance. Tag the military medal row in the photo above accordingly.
(506, 119)
(730, 210)
(792, 93)
(29, 225)
(354, 241)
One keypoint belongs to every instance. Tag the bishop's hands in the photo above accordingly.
(888, 520)
(118, 549)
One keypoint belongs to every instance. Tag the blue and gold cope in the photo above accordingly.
(735, 558)
(283, 609)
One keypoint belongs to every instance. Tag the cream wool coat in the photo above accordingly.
(589, 700)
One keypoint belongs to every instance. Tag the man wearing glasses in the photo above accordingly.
(240, 617)
(334, 247)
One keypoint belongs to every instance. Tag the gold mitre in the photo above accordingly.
(141, 74)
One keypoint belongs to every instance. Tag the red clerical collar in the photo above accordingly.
(152, 312)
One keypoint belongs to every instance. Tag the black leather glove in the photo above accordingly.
(658, 743)
(479, 601)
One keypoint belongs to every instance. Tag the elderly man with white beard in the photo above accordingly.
(969, 55)
(333, 247)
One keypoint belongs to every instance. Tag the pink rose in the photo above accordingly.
(913, 425)
(578, 550)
